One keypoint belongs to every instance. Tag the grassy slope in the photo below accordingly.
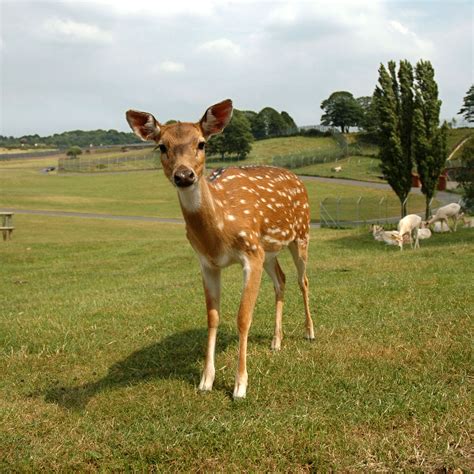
(102, 329)
(264, 150)
(456, 136)
(362, 168)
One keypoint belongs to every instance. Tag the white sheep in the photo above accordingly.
(444, 213)
(440, 227)
(424, 233)
(409, 225)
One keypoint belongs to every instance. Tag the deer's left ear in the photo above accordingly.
(216, 118)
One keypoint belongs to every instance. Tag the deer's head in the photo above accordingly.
(182, 145)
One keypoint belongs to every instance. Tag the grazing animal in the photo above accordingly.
(467, 221)
(424, 233)
(337, 169)
(450, 211)
(244, 215)
(390, 237)
(441, 227)
(409, 225)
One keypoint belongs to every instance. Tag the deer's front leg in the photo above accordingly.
(253, 268)
(212, 288)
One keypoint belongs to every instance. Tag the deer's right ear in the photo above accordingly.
(143, 124)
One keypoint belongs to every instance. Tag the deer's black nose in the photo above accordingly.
(184, 177)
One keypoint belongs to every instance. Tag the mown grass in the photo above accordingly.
(362, 168)
(102, 330)
(264, 150)
(140, 193)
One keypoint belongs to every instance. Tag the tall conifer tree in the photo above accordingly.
(396, 161)
(429, 140)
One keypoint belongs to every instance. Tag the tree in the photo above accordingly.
(465, 175)
(396, 161)
(429, 140)
(468, 105)
(291, 127)
(236, 138)
(408, 109)
(74, 151)
(341, 110)
(273, 122)
(368, 120)
(257, 124)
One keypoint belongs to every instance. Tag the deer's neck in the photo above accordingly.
(204, 219)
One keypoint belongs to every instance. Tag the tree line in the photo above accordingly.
(79, 138)
(267, 123)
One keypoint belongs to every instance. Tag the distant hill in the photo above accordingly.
(80, 138)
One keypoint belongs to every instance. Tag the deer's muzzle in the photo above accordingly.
(184, 177)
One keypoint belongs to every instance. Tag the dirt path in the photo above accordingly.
(457, 147)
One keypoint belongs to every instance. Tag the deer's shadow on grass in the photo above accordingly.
(175, 357)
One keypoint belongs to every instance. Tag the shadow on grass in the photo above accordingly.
(174, 357)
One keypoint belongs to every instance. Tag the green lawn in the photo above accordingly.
(141, 193)
(362, 168)
(265, 150)
(102, 331)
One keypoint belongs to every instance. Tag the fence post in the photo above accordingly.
(358, 210)
(379, 217)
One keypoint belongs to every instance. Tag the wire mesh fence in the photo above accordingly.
(303, 159)
(339, 212)
(111, 163)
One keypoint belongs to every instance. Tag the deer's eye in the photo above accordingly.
(162, 148)
(201, 145)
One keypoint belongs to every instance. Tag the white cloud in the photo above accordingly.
(397, 26)
(203, 8)
(76, 32)
(170, 67)
(221, 46)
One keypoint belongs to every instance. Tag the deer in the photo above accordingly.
(409, 226)
(442, 215)
(237, 215)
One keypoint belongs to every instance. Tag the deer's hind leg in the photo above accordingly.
(272, 267)
(299, 252)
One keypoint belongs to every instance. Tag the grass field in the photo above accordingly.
(102, 331)
(141, 193)
(362, 168)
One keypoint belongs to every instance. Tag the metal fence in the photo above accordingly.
(339, 212)
(300, 160)
(113, 163)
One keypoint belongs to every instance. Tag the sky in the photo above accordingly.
(68, 65)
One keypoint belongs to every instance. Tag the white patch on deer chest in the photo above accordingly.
(190, 198)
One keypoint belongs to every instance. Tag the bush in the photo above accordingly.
(74, 151)
(466, 175)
